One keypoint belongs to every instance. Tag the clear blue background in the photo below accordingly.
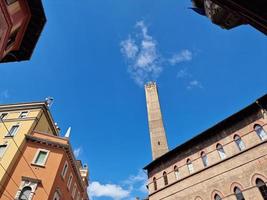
(78, 61)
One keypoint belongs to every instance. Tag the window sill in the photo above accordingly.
(9, 136)
(38, 165)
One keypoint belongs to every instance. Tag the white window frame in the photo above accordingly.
(27, 183)
(74, 190)
(6, 144)
(36, 155)
(23, 116)
(64, 172)
(69, 181)
(56, 196)
(9, 132)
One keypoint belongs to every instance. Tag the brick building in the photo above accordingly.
(227, 161)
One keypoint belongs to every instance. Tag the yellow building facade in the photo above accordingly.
(18, 120)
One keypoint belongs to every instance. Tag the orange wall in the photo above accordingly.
(50, 175)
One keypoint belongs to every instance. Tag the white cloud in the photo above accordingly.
(183, 73)
(130, 49)
(126, 190)
(142, 55)
(77, 152)
(183, 56)
(137, 182)
(112, 191)
(145, 62)
(194, 84)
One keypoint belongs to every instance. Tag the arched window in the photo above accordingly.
(239, 142)
(238, 194)
(221, 151)
(260, 132)
(155, 183)
(262, 188)
(165, 177)
(25, 193)
(204, 158)
(176, 172)
(65, 169)
(190, 166)
(217, 197)
(56, 196)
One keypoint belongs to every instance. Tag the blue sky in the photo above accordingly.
(93, 58)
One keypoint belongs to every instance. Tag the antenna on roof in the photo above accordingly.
(49, 101)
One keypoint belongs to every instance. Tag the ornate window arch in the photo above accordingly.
(27, 189)
(25, 193)
(216, 193)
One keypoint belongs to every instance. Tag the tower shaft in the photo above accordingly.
(158, 138)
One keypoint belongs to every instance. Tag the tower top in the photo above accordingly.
(158, 138)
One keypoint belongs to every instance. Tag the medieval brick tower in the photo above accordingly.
(158, 138)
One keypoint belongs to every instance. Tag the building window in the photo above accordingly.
(23, 114)
(176, 172)
(238, 194)
(262, 188)
(3, 116)
(155, 183)
(56, 196)
(239, 143)
(217, 197)
(65, 169)
(12, 39)
(69, 181)
(25, 193)
(12, 132)
(190, 166)
(165, 177)
(74, 190)
(260, 132)
(221, 151)
(204, 158)
(9, 2)
(26, 189)
(2, 149)
(40, 157)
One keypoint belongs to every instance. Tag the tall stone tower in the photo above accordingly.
(158, 138)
